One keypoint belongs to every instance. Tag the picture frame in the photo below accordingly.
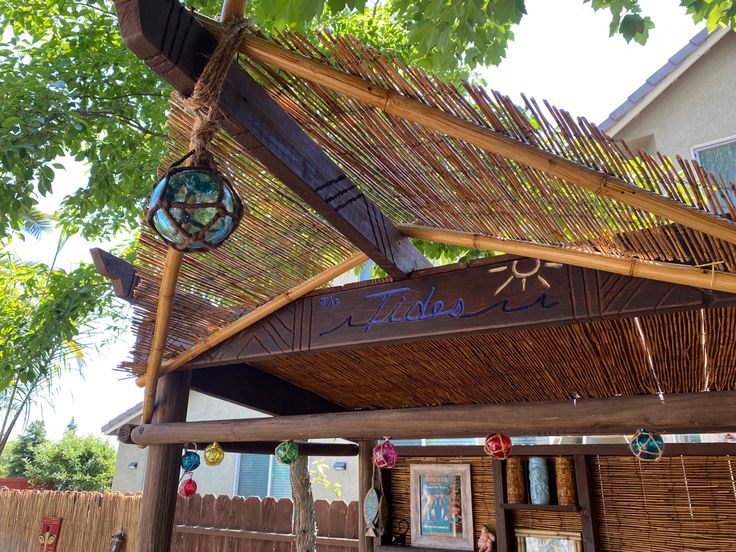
(441, 506)
(532, 540)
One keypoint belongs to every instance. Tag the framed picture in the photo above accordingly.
(441, 506)
(528, 540)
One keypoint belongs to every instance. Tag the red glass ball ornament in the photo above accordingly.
(498, 446)
(188, 487)
(384, 455)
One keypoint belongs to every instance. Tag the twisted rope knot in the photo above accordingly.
(206, 95)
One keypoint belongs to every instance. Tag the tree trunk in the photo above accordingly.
(301, 489)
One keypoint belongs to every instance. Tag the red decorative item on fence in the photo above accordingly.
(384, 455)
(188, 487)
(49, 536)
(498, 446)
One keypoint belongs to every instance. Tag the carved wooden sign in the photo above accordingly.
(503, 294)
(49, 536)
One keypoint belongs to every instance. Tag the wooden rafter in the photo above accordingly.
(662, 272)
(173, 43)
(395, 103)
(678, 413)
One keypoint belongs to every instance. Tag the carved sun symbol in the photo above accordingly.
(516, 273)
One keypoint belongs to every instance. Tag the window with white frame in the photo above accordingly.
(719, 157)
(262, 475)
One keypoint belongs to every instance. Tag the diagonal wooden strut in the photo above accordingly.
(253, 316)
(663, 272)
(174, 44)
(395, 103)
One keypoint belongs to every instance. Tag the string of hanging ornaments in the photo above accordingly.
(194, 207)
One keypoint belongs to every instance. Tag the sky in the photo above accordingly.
(561, 53)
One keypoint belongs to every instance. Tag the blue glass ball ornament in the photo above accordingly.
(193, 208)
(647, 445)
(190, 460)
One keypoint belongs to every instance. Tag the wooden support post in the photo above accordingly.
(161, 330)
(365, 482)
(162, 469)
(504, 517)
(305, 530)
(583, 481)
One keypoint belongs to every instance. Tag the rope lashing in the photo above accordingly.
(204, 100)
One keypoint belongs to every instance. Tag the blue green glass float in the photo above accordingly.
(287, 451)
(194, 208)
(647, 445)
(190, 460)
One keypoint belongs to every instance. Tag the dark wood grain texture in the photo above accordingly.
(162, 468)
(507, 293)
(121, 273)
(584, 483)
(254, 388)
(175, 45)
(504, 517)
(678, 413)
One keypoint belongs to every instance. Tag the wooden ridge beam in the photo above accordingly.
(121, 273)
(677, 413)
(259, 390)
(173, 43)
(395, 103)
(499, 294)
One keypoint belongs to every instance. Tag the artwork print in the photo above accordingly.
(441, 500)
(543, 541)
(441, 506)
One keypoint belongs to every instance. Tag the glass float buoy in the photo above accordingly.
(214, 455)
(287, 451)
(194, 208)
(647, 445)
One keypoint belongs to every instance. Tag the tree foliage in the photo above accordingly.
(74, 463)
(22, 451)
(70, 86)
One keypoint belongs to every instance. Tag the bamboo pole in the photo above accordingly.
(232, 8)
(652, 270)
(705, 412)
(255, 315)
(395, 103)
(161, 330)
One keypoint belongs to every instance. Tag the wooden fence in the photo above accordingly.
(203, 524)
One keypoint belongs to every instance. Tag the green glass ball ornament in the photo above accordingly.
(287, 451)
(647, 445)
(193, 208)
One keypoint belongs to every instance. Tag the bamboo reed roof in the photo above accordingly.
(417, 175)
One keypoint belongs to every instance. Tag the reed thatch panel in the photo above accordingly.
(541, 520)
(416, 174)
(89, 519)
(481, 480)
(685, 503)
(598, 359)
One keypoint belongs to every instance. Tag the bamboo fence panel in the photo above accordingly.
(481, 482)
(89, 519)
(678, 503)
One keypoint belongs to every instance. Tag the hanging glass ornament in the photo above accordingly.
(190, 459)
(498, 446)
(385, 455)
(287, 451)
(647, 445)
(214, 455)
(194, 208)
(188, 486)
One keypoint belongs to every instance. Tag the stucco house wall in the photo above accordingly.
(221, 480)
(695, 109)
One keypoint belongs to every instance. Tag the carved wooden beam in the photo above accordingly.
(505, 293)
(677, 413)
(174, 44)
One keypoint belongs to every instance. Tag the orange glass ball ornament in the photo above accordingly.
(498, 446)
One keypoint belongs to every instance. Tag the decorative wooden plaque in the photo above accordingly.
(49, 537)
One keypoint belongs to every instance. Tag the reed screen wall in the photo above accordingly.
(680, 503)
